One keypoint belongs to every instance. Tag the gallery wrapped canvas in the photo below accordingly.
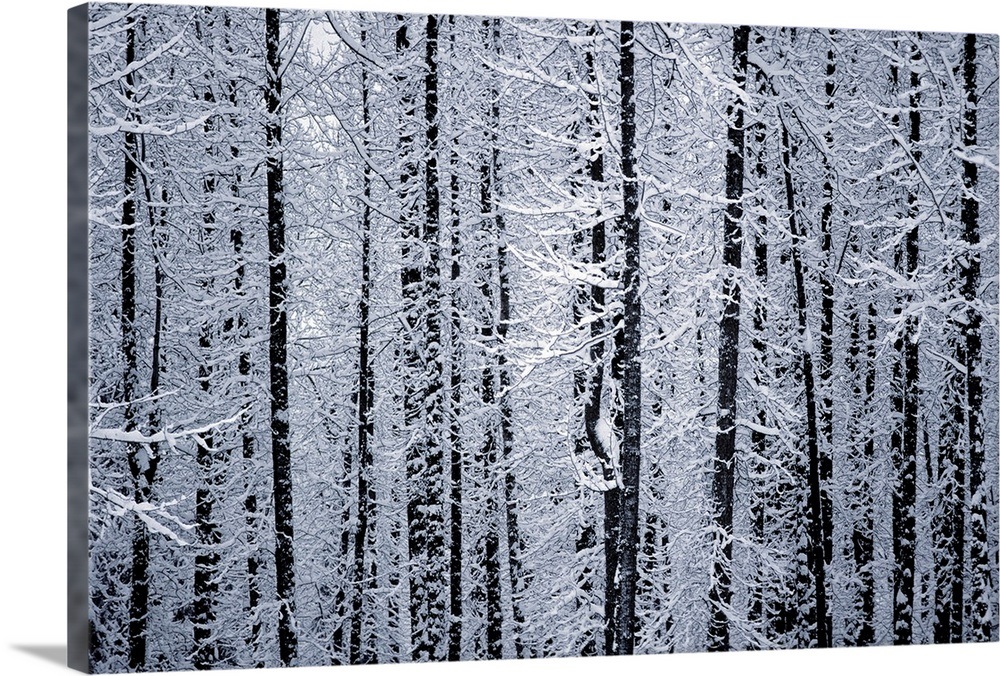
(440, 337)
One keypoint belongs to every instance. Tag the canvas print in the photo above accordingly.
(433, 337)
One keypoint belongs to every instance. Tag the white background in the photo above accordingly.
(33, 331)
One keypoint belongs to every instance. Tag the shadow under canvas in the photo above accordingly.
(50, 653)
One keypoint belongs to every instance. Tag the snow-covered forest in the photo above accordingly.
(445, 337)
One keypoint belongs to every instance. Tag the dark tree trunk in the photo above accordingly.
(455, 426)
(826, 340)
(592, 406)
(590, 381)
(489, 546)
(652, 586)
(905, 453)
(759, 612)
(948, 526)
(814, 552)
(247, 422)
(864, 531)
(362, 580)
(982, 580)
(429, 577)
(206, 561)
(138, 458)
(284, 559)
(455, 385)
(861, 360)
(720, 593)
(586, 538)
(158, 236)
(628, 536)
(515, 544)
(411, 279)
(340, 640)
(491, 540)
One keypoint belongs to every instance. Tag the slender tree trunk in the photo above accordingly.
(488, 460)
(815, 554)
(209, 536)
(437, 484)
(760, 602)
(158, 236)
(411, 280)
(429, 576)
(982, 582)
(826, 339)
(864, 531)
(340, 640)
(650, 596)
(632, 366)
(592, 384)
(489, 457)
(948, 526)
(720, 592)
(455, 426)
(284, 559)
(362, 580)
(455, 386)
(592, 406)
(861, 361)
(140, 467)
(905, 455)
(586, 538)
(247, 421)
(515, 544)
(158, 239)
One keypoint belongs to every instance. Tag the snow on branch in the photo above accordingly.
(164, 435)
(353, 44)
(136, 65)
(152, 130)
(120, 505)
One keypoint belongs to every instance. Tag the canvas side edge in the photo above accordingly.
(77, 353)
